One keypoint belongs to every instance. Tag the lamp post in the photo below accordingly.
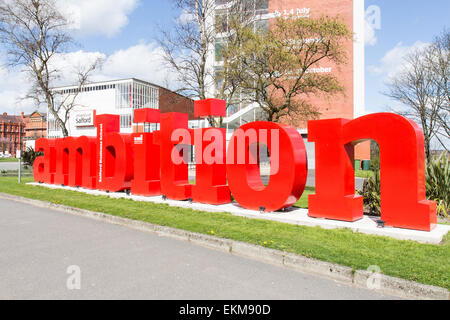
(19, 156)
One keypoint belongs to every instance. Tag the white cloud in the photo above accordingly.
(370, 37)
(143, 61)
(185, 17)
(393, 60)
(98, 17)
(69, 64)
(372, 23)
(14, 85)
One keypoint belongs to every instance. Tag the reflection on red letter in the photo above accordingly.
(115, 155)
(288, 168)
(401, 143)
(174, 177)
(44, 166)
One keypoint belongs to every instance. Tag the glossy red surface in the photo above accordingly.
(146, 180)
(403, 200)
(211, 177)
(147, 115)
(174, 177)
(44, 167)
(210, 107)
(115, 155)
(83, 162)
(288, 167)
(62, 151)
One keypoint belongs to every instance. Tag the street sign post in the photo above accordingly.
(19, 156)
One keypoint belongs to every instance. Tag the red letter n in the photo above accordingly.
(403, 199)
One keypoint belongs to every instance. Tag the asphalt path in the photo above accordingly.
(46, 254)
(9, 166)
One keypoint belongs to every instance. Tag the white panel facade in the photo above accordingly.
(119, 97)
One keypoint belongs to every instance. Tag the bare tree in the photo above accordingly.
(34, 33)
(416, 88)
(438, 61)
(188, 46)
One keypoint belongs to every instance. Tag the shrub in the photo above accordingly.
(29, 156)
(438, 183)
(371, 194)
(375, 164)
(375, 156)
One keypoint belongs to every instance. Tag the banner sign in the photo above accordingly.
(84, 118)
(154, 164)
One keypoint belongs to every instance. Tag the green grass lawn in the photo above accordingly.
(303, 202)
(363, 174)
(429, 264)
(9, 160)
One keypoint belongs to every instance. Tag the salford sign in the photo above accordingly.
(154, 164)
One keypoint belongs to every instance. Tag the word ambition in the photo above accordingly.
(154, 164)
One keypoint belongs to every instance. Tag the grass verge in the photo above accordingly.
(363, 174)
(9, 160)
(303, 201)
(424, 263)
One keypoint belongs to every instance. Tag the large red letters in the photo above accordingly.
(147, 163)
(403, 201)
(146, 180)
(44, 167)
(62, 151)
(210, 146)
(83, 163)
(115, 155)
(174, 176)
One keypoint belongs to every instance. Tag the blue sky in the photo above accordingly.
(123, 33)
(404, 24)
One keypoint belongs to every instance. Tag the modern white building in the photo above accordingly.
(119, 97)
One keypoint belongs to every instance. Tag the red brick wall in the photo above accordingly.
(35, 126)
(11, 135)
(337, 106)
(172, 102)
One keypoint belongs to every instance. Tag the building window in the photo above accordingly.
(221, 21)
(219, 50)
(150, 127)
(125, 121)
(136, 95)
